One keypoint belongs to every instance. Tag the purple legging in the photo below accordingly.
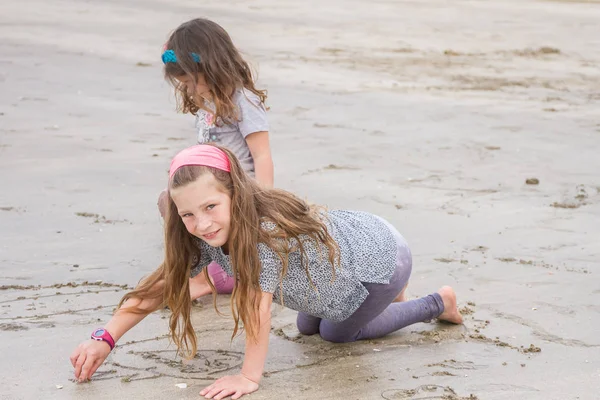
(377, 316)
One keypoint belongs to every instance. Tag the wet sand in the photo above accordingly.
(431, 114)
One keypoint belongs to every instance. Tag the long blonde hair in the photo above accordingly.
(295, 222)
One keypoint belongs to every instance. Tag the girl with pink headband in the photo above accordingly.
(212, 81)
(345, 272)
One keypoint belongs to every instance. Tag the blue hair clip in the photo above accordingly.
(169, 57)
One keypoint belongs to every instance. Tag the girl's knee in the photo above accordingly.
(337, 336)
(307, 324)
(223, 282)
(162, 202)
(307, 330)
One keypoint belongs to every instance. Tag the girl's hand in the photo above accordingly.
(235, 386)
(87, 357)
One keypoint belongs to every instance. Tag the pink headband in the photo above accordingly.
(201, 154)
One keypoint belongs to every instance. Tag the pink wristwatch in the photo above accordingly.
(102, 335)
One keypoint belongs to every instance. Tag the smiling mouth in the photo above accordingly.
(211, 235)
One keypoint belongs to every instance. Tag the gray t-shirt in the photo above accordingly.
(368, 251)
(233, 136)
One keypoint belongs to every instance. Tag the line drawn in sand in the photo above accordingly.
(425, 392)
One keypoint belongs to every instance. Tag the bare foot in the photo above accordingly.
(451, 313)
(402, 296)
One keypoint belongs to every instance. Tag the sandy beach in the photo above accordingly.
(472, 126)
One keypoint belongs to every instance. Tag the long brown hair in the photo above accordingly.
(221, 63)
(296, 222)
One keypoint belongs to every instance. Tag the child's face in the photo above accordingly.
(205, 209)
(200, 90)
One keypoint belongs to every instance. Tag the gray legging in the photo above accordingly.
(377, 316)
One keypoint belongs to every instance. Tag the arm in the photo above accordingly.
(90, 355)
(254, 360)
(122, 321)
(199, 286)
(258, 143)
(256, 351)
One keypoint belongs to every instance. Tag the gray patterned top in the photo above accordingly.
(368, 249)
(253, 118)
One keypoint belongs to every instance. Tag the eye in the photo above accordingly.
(210, 207)
(186, 215)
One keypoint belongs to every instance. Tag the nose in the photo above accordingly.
(203, 223)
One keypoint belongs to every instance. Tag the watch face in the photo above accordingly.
(99, 332)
